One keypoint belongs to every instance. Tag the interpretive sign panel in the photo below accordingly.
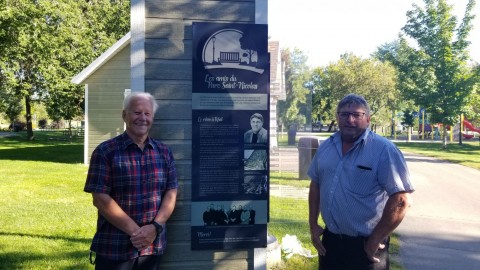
(230, 121)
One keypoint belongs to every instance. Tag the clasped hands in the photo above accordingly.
(143, 237)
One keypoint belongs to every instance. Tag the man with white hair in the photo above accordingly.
(133, 181)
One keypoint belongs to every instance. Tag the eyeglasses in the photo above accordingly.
(346, 115)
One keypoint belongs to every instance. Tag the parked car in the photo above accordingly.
(18, 126)
(317, 126)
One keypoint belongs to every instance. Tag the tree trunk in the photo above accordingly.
(330, 127)
(444, 137)
(28, 116)
(460, 134)
(70, 130)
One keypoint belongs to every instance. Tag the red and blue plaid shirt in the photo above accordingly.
(137, 181)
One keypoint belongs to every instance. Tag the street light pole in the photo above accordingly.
(213, 55)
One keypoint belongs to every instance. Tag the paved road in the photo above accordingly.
(442, 229)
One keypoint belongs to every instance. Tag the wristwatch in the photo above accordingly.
(158, 227)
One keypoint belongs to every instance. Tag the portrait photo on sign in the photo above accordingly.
(257, 134)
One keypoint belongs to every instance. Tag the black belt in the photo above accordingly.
(343, 236)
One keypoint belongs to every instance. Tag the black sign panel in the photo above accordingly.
(230, 141)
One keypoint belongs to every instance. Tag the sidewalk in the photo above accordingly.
(442, 229)
(285, 160)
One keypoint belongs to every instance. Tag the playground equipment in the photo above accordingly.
(470, 127)
(428, 129)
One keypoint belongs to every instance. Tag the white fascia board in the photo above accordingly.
(102, 59)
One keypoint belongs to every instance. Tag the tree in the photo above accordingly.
(294, 110)
(21, 41)
(66, 104)
(66, 100)
(12, 108)
(247, 44)
(408, 121)
(434, 72)
(371, 78)
(45, 43)
(472, 108)
(10, 104)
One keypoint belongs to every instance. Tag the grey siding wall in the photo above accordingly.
(168, 76)
(106, 88)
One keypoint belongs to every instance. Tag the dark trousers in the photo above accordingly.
(347, 253)
(140, 263)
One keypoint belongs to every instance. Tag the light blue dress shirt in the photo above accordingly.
(355, 187)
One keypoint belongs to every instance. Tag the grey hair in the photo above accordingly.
(355, 100)
(256, 115)
(128, 100)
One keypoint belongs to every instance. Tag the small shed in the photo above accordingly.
(106, 81)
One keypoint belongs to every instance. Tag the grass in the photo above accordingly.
(47, 222)
(288, 179)
(290, 216)
(467, 154)
(48, 146)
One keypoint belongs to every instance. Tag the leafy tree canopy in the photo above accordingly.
(294, 110)
(44, 43)
(434, 72)
(371, 78)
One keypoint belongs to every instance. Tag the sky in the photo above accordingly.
(326, 29)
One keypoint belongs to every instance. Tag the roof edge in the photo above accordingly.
(102, 59)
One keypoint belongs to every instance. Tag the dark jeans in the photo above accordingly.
(140, 263)
(347, 253)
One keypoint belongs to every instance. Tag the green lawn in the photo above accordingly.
(467, 154)
(290, 216)
(47, 221)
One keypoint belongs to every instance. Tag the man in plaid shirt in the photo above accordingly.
(133, 182)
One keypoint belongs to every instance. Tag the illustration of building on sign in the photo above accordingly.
(230, 48)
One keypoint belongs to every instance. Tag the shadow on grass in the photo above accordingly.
(49, 237)
(17, 259)
(65, 153)
(48, 146)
